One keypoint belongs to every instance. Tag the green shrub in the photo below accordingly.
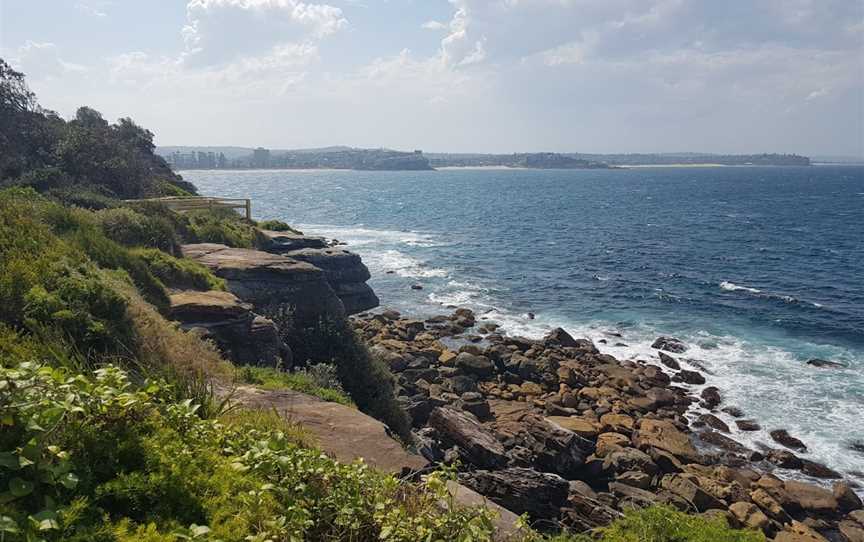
(664, 524)
(226, 227)
(306, 381)
(180, 273)
(277, 225)
(84, 196)
(134, 229)
(97, 459)
(366, 379)
(179, 222)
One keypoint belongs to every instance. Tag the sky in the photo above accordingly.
(731, 76)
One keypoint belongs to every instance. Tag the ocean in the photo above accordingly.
(758, 269)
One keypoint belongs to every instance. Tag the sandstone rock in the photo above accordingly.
(618, 423)
(689, 377)
(585, 511)
(552, 449)
(723, 442)
(285, 241)
(609, 442)
(241, 335)
(669, 344)
(784, 459)
(818, 470)
(691, 492)
(632, 497)
(629, 459)
(810, 498)
(854, 532)
(669, 361)
(847, 499)
(769, 505)
(713, 422)
(583, 427)
(637, 479)
(480, 366)
(711, 397)
(541, 495)
(346, 274)
(748, 425)
(446, 356)
(749, 516)
(798, 532)
(561, 338)
(264, 279)
(476, 444)
(733, 411)
(781, 436)
(664, 435)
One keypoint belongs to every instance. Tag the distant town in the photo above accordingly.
(184, 158)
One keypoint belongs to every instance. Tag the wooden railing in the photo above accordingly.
(199, 203)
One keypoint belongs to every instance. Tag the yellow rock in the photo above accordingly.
(581, 426)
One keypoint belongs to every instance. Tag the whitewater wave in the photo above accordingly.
(362, 236)
(732, 287)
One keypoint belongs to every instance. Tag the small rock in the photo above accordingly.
(781, 436)
(531, 316)
(713, 422)
(669, 361)
(847, 499)
(748, 425)
(637, 479)
(711, 397)
(822, 363)
(798, 532)
(818, 470)
(669, 344)
(749, 515)
(689, 377)
(733, 411)
(416, 286)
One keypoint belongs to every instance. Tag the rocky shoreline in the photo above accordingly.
(574, 437)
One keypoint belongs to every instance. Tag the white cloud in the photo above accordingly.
(433, 25)
(41, 60)
(94, 8)
(221, 31)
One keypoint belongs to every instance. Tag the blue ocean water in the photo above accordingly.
(758, 269)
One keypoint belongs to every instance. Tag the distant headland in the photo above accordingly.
(340, 157)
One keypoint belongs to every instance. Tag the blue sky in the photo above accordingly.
(457, 75)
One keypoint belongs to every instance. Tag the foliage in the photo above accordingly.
(134, 229)
(180, 273)
(277, 225)
(318, 380)
(41, 150)
(99, 459)
(82, 195)
(665, 524)
(366, 379)
(226, 227)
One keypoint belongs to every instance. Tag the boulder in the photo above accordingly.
(749, 516)
(769, 505)
(846, 499)
(689, 377)
(711, 397)
(669, 361)
(818, 470)
(476, 444)
(748, 425)
(549, 447)
(629, 459)
(265, 279)
(663, 434)
(670, 344)
(561, 338)
(581, 426)
(618, 423)
(346, 274)
(810, 498)
(851, 530)
(633, 478)
(523, 491)
(609, 442)
(479, 366)
(781, 436)
(713, 422)
(690, 492)
(798, 532)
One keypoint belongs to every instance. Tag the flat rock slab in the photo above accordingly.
(283, 241)
(193, 306)
(342, 431)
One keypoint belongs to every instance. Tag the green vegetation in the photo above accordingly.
(664, 524)
(366, 379)
(179, 273)
(98, 458)
(226, 227)
(318, 380)
(277, 225)
(133, 229)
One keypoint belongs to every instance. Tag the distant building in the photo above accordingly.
(261, 158)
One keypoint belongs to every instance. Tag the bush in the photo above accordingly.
(366, 379)
(317, 380)
(84, 196)
(180, 273)
(226, 227)
(134, 229)
(94, 458)
(277, 225)
(664, 524)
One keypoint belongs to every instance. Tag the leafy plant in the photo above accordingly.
(179, 273)
(318, 380)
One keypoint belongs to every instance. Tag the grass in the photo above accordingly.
(277, 225)
(304, 382)
(226, 227)
(179, 273)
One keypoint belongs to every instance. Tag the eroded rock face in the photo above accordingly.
(285, 241)
(263, 279)
(241, 335)
(346, 273)
(474, 442)
(539, 494)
